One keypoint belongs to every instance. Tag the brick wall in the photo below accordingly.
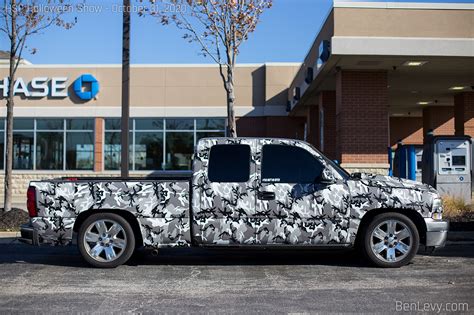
(464, 113)
(362, 120)
(98, 147)
(440, 119)
(407, 129)
(327, 100)
(312, 122)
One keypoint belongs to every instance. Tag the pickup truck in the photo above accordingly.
(243, 192)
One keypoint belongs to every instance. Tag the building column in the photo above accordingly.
(362, 121)
(327, 108)
(99, 145)
(312, 126)
(464, 114)
(439, 119)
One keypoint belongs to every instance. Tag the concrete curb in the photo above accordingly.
(9, 237)
(461, 236)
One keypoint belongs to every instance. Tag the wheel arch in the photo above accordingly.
(127, 215)
(413, 215)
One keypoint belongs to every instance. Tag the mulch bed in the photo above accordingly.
(11, 220)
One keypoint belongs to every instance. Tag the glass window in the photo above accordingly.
(149, 124)
(50, 124)
(2, 149)
(2, 124)
(229, 163)
(49, 150)
(80, 151)
(23, 124)
(209, 134)
(179, 150)
(113, 150)
(113, 124)
(79, 124)
(148, 151)
(23, 143)
(179, 124)
(289, 164)
(210, 124)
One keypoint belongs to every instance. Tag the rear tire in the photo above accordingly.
(106, 240)
(390, 240)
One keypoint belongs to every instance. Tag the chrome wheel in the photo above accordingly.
(391, 240)
(105, 240)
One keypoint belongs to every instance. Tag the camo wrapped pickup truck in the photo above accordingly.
(243, 192)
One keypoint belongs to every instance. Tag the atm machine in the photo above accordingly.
(447, 165)
(407, 162)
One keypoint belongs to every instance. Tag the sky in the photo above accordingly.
(284, 34)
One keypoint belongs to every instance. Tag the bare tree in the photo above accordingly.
(20, 19)
(219, 27)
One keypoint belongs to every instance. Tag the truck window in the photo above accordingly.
(229, 163)
(289, 164)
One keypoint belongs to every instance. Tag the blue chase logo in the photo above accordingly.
(86, 87)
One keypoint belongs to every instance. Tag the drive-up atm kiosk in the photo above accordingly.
(447, 165)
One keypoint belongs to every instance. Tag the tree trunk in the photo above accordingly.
(7, 205)
(231, 123)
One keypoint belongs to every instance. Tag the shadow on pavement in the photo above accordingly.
(69, 256)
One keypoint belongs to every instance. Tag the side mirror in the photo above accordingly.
(325, 179)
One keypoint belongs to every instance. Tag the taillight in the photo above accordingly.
(31, 202)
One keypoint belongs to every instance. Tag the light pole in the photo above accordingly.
(125, 89)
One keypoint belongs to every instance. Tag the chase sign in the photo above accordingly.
(85, 87)
(82, 82)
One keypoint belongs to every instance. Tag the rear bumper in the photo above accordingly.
(29, 235)
(436, 232)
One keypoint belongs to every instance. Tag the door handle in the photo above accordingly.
(266, 195)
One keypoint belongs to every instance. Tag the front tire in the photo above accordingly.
(106, 240)
(391, 240)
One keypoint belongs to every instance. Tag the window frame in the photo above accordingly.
(64, 131)
(164, 130)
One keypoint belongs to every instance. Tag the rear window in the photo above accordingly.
(229, 163)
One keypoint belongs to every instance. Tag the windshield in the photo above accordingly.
(341, 171)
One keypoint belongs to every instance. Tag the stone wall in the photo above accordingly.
(21, 180)
(368, 168)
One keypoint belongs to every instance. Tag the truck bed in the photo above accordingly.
(161, 205)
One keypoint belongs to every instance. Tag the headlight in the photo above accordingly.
(437, 209)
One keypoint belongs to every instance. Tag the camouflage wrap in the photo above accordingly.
(161, 207)
(54, 230)
(327, 212)
(306, 214)
(384, 192)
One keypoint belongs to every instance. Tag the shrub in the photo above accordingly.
(455, 207)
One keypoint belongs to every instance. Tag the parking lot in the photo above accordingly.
(196, 280)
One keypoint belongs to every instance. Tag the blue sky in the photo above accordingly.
(284, 34)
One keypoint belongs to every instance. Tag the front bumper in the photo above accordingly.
(29, 235)
(436, 232)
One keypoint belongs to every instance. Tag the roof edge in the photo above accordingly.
(164, 65)
(403, 5)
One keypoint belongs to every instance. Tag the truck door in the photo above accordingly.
(224, 184)
(297, 200)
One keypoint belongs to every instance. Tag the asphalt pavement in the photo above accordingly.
(55, 279)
